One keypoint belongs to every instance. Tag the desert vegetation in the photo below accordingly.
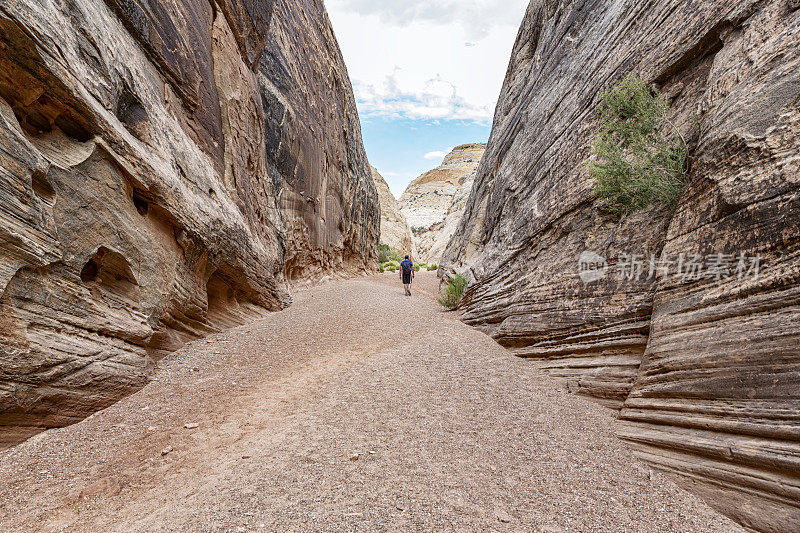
(453, 292)
(640, 155)
(389, 260)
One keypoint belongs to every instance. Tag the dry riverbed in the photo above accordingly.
(357, 409)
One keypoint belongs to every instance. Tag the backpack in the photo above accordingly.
(408, 266)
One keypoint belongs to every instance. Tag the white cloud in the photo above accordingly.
(437, 100)
(419, 59)
(435, 155)
(478, 17)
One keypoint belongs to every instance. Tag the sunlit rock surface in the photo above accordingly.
(706, 370)
(430, 200)
(139, 189)
(437, 239)
(395, 232)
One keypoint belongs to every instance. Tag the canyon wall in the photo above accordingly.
(395, 231)
(429, 202)
(699, 352)
(141, 170)
(315, 154)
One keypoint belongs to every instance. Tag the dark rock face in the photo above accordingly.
(706, 370)
(138, 194)
(176, 37)
(314, 150)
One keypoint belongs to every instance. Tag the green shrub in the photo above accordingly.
(454, 291)
(433, 267)
(384, 254)
(641, 156)
(389, 265)
(381, 268)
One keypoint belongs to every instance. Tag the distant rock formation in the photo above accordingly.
(705, 366)
(395, 232)
(143, 149)
(429, 202)
(437, 239)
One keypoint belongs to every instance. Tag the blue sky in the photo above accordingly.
(402, 149)
(426, 75)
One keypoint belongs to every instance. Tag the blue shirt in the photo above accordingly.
(407, 265)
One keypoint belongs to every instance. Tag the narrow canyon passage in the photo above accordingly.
(357, 409)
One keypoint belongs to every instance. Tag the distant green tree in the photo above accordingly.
(385, 253)
(641, 156)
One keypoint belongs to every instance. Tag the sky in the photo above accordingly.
(426, 74)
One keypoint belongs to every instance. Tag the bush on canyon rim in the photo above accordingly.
(453, 292)
(641, 156)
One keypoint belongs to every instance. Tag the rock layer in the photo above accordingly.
(395, 231)
(139, 202)
(428, 200)
(707, 369)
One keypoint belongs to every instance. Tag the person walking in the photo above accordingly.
(407, 274)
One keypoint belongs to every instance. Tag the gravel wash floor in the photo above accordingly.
(357, 409)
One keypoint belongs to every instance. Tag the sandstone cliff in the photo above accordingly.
(315, 154)
(140, 186)
(429, 203)
(395, 231)
(706, 366)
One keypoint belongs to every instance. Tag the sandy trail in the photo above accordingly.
(448, 432)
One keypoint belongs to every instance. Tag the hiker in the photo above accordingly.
(407, 274)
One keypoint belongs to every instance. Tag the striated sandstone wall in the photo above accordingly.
(706, 370)
(139, 194)
(315, 153)
(429, 200)
(395, 231)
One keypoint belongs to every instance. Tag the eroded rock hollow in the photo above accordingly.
(164, 168)
(705, 368)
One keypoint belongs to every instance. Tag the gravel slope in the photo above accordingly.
(356, 410)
